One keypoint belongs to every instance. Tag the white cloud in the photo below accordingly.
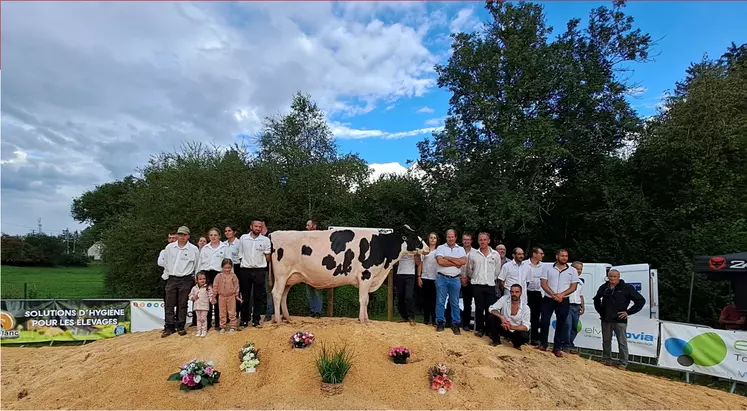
(390, 107)
(464, 21)
(343, 131)
(435, 122)
(379, 169)
(426, 110)
(636, 91)
(92, 90)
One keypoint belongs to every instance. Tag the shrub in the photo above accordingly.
(334, 364)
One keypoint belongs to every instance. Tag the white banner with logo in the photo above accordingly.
(642, 334)
(703, 350)
(148, 315)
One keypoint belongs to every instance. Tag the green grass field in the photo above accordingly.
(53, 282)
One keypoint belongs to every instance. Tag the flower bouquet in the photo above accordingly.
(249, 358)
(438, 375)
(399, 355)
(302, 339)
(196, 375)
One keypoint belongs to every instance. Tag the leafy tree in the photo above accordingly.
(528, 114)
(103, 205)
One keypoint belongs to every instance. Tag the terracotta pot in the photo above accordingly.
(331, 389)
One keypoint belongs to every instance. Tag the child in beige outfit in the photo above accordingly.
(226, 289)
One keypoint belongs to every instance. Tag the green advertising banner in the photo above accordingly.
(38, 321)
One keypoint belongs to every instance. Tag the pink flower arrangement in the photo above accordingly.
(399, 355)
(439, 378)
(301, 339)
(195, 375)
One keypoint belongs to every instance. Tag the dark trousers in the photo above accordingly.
(534, 301)
(210, 274)
(484, 298)
(177, 297)
(467, 296)
(561, 313)
(404, 285)
(428, 300)
(252, 283)
(495, 330)
(236, 270)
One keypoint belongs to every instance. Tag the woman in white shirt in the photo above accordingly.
(427, 281)
(209, 262)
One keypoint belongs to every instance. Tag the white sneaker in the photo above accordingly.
(232, 331)
(204, 333)
(223, 331)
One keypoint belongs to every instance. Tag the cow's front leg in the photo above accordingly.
(363, 301)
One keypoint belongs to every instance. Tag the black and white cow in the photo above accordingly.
(332, 258)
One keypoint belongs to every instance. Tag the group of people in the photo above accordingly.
(514, 298)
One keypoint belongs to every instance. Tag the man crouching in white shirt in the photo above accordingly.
(510, 317)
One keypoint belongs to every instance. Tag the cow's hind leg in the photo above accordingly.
(363, 287)
(278, 290)
(284, 304)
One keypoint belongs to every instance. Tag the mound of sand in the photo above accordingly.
(130, 372)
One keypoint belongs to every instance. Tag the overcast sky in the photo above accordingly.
(92, 90)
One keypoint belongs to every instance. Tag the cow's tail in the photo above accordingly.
(270, 276)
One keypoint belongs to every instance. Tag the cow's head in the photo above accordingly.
(411, 241)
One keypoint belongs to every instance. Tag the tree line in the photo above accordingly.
(540, 148)
(39, 249)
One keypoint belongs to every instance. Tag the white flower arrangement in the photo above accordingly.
(249, 358)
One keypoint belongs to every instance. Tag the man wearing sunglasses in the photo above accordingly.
(612, 302)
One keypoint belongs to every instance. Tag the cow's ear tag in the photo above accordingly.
(404, 238)
(408, 227)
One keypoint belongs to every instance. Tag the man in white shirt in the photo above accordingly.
(466, 291)
(558, 280)
(575, 309)
(534, 291)
(404, 284)
(483, 268)
(314, 295)
(501, 249)
(254, 250)
(180, 260)
(450, 258)
(512, 272)
(510, 317)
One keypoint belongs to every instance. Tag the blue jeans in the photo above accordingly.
(448, 286)
(315, 299)
(270, 306)
(571, 323)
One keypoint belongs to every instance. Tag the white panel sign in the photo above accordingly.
(642, 334)
(149, 315)
(703, 350)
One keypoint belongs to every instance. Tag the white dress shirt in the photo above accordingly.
(253, 250)
(212, 257)
(455, 252)
(558, 280)
(232, 251)
(180, 261)
(522, 317)
(513, 273)
(482, 269)
(534, 273)
(430, 266)
(406, 265)
(575, 297)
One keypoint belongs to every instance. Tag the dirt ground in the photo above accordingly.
(129, 372)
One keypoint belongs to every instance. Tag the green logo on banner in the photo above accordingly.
(706, 350)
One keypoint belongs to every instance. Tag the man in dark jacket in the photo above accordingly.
(612, 302)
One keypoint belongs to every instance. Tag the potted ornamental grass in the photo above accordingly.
(196, 375)
(249, 357)
(399, 355)
(333, 365)
(440, 378)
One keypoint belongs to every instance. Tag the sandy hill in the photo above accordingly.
(129, 372)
